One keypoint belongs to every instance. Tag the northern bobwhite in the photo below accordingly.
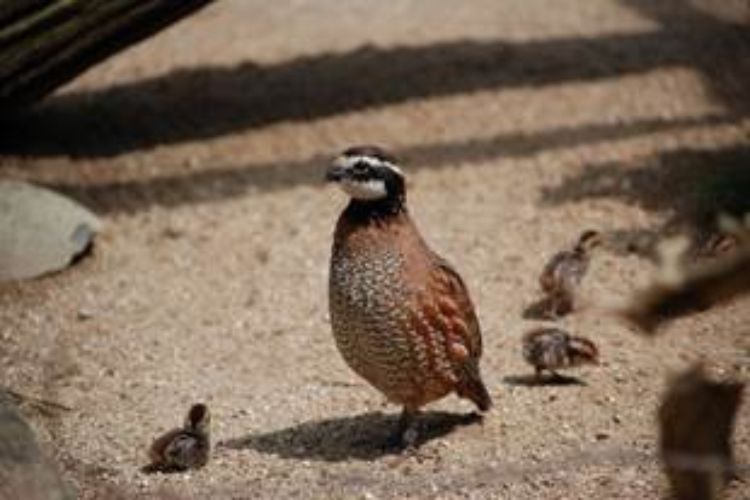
(401, 315)
(553, 349)
(185, 447)
(563, 273)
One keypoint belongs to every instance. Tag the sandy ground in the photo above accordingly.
(520, 124)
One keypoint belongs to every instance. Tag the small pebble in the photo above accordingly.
(172, 233)
(84, 314)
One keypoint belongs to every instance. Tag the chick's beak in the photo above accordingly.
(335, 173)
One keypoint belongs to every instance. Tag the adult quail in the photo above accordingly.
(563, 273)
(185, 447)
(401, 315)
(552, 349)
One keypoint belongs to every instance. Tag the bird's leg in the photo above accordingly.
(406, 433)
(563, 303)
(548, 307)
(556, 377)
(538, 370)
(409, 428)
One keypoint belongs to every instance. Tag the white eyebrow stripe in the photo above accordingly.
(350, 161)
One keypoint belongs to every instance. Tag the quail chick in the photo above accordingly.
(563, 273)
(553, 349)
(401, 316)
(183, 448)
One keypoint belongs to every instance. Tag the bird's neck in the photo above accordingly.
(580, 251)
(367, 211)
(197, 432)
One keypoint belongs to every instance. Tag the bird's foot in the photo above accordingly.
(403, 440)
(409, 438)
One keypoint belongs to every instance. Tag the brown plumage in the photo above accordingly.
(553, 349)
(563, 273)
(401, 315)
(183, 448)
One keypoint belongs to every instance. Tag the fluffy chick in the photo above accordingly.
(553, 349)
(564, 272)
(185, 447)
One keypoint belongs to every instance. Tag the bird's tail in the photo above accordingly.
(471, 387)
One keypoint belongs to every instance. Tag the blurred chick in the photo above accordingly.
(731, 234)
(564, 272)
(679, 289)
(696, 418)
(719, 244)
(183, 448)
(552, 349)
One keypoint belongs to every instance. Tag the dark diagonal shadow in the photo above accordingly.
(725, 77)
(363, 437)
(689, 186)
(221, 183)
(208, 102)
(549, 380)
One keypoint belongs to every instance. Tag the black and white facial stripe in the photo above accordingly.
(367, 173)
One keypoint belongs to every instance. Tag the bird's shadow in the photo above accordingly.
(548, 380)
(154, 468)
(362, 437)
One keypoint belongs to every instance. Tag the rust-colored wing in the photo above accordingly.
(448, 330)
(454, 304)
(464, 338)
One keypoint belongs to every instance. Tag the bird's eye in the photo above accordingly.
(361, 169)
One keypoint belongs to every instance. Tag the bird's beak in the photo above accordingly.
(335, 173)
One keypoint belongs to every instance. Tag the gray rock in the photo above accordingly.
(40, 231)
(24, 470)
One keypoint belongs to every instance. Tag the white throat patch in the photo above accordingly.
(373, 189)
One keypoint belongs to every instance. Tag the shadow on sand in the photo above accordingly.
(211, 101)
(689, 186)
(363, 437)
(545, 380)
(220, 183)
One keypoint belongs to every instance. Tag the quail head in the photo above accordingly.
(553, 349)
(564, 272)
(183, 448)
(401, 315)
